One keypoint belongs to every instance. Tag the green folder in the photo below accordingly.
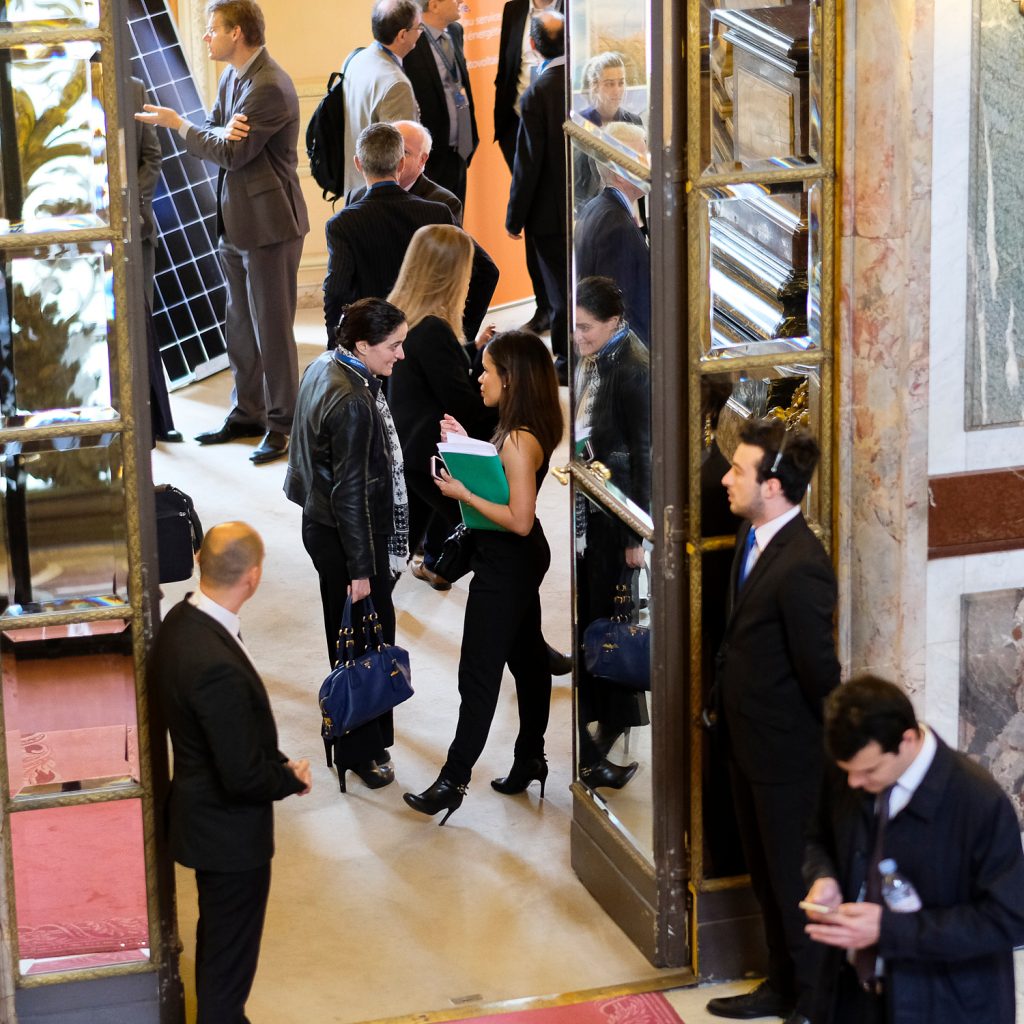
(477, 464)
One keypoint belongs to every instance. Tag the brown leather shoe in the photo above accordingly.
(273, 446)
(421, 572)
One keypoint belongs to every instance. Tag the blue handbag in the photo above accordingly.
(619, 648)
(361, 688)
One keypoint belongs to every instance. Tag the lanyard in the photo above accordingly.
(385, 50)
(453, 67)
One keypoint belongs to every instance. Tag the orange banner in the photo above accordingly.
(489, 180)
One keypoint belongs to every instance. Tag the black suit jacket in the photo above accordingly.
(227, 767)
(422, 188)
(366, 244)
(537, 198)
(958, 841)
(510, 61)
(610, 243)
(421, 69)
(777, 661)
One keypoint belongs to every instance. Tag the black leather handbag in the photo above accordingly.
(456, 556)
(361, 688)
(179, 533)
(619, 648)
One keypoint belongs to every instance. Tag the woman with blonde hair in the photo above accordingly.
(434, 379)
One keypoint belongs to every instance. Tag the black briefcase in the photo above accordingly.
(178, 533)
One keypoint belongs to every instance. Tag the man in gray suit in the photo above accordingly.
(251, 134)
(376, 87)
(418, 143)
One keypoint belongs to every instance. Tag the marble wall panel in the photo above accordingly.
(995, 352)
(992, 687)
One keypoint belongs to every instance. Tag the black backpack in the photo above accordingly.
(325, 136)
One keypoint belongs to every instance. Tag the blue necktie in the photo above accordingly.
(747, 548)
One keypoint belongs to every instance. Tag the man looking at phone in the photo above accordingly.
(899, 792)
(776, 665)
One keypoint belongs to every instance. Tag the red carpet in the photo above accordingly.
(649, 1008)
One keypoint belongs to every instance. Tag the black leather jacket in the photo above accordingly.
(339, 462)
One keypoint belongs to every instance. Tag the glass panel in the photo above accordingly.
(49, 13)
(63, 524)
(80, 886)
(761, 256)
(613, 718)
(760, 84)
(56, 179)
(792, 393)
(69, 708)
(57, 363)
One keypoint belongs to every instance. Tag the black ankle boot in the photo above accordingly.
(608, 775)
(443, 795)
(521, 774)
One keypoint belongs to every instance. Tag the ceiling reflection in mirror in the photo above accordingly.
(613, 677)
(55, 316)
(62, 518)
(49, 13)
(56, 179)
(761, 250)
(761, 85)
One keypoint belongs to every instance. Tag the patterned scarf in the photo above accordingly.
(398, 539)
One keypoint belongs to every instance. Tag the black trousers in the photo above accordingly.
(507, 144)
(502, 627)
(232, 906)
(855, 1006)
(447, 169)
(432, 516)
(551, 257)
(322, 543)
(771, 821)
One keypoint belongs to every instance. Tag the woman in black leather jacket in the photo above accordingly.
(612, 413)
(345, 470)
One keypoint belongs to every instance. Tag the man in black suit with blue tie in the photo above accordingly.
(228, 770)
(776, 665)
(536, 203)
(436, 66)
(367, 240)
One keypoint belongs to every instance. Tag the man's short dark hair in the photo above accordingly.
(864, 709)
(243, 14)
(380, 148)
(547, 31)
(795, 467)
(390, 17)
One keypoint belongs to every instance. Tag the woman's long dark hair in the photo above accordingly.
(530, 398)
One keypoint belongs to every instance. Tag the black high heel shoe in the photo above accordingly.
(373, 774)
(608, 775)
(521, 774)
(443, 795)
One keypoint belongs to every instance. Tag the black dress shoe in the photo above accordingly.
(273, 446)
(521, 774)
(560, 664)
(605, 775)
(229, 431)
(421, 572)
(538, 323)
(443, 795)
(171, 437)
(762, 1001)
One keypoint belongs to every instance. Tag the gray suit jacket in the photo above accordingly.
(260, 199)
(376, 89)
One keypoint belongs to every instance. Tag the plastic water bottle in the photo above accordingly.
(897, 890)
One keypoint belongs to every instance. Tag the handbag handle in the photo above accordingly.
(627, 595)
(373, 632)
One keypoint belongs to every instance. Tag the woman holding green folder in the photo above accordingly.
(503, 618)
